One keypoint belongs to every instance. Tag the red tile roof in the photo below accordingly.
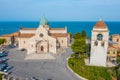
(57, 28)
(101, 25)
(16, 34)
(26, 35)
(55, 35)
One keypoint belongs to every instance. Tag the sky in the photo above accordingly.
(59, 10)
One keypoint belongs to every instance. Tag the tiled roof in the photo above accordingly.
(28, 28)
(26, 35)
(100, 25)
(57, 28)
(112, 47)
(16, 34)
(55, 35)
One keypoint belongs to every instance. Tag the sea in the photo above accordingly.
(72, 26)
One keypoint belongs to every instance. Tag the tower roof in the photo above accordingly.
(44, 21)
(100, 25)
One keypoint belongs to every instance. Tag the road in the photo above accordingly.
(54, 69)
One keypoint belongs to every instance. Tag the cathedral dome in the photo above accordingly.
(44, 21)
(100, 25)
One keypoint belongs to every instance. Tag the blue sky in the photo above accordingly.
(59, 10)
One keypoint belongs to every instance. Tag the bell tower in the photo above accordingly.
(99, 44)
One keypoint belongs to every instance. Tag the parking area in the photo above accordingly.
(42, 69)
(4, 66)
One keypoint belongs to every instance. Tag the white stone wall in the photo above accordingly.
(52, 45)
(63, 42)
(23, 43)
(98, 55)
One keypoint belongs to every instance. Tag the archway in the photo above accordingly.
(41, 46)
(99, 37)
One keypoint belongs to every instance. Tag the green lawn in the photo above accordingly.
(89, 72)
(0, 76)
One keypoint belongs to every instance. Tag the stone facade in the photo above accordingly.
(99, 44)
(43, 39)
(112, 53)
(116, 38)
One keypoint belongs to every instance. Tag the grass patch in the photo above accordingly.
(0, 76)
(89, 72)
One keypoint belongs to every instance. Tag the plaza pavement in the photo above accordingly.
(43, 69)
(36, 56)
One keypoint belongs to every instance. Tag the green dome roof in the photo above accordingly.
(44, 21)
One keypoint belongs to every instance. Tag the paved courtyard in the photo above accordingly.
(43, 69)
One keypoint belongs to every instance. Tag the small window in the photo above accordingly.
(117, 40)
(24, 42)
(51, 45)
(62, 41)
(113, 52)
(102, 43)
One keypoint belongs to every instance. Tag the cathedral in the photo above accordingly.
(43, 39)
(99, 44)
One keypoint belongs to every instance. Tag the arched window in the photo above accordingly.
(95, 43)
(62, 41)
(117, 40)
(102, 43)
(99, 37)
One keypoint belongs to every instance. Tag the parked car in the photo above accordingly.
(33, 78)
(7, 68)
(2, 66)
(4, 59)
(22, 49)
(5, 51)
(3, 54)
(11, 46)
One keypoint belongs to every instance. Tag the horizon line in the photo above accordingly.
(59, 21)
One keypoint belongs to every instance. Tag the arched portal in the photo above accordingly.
(42, 46)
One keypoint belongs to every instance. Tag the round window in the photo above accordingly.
(41, 35)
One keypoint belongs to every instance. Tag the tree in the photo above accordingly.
(83, 34)
(117, 68)
(70, 34)
(77, 35)
(79, 46)
(2, 41)
(12, 40)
